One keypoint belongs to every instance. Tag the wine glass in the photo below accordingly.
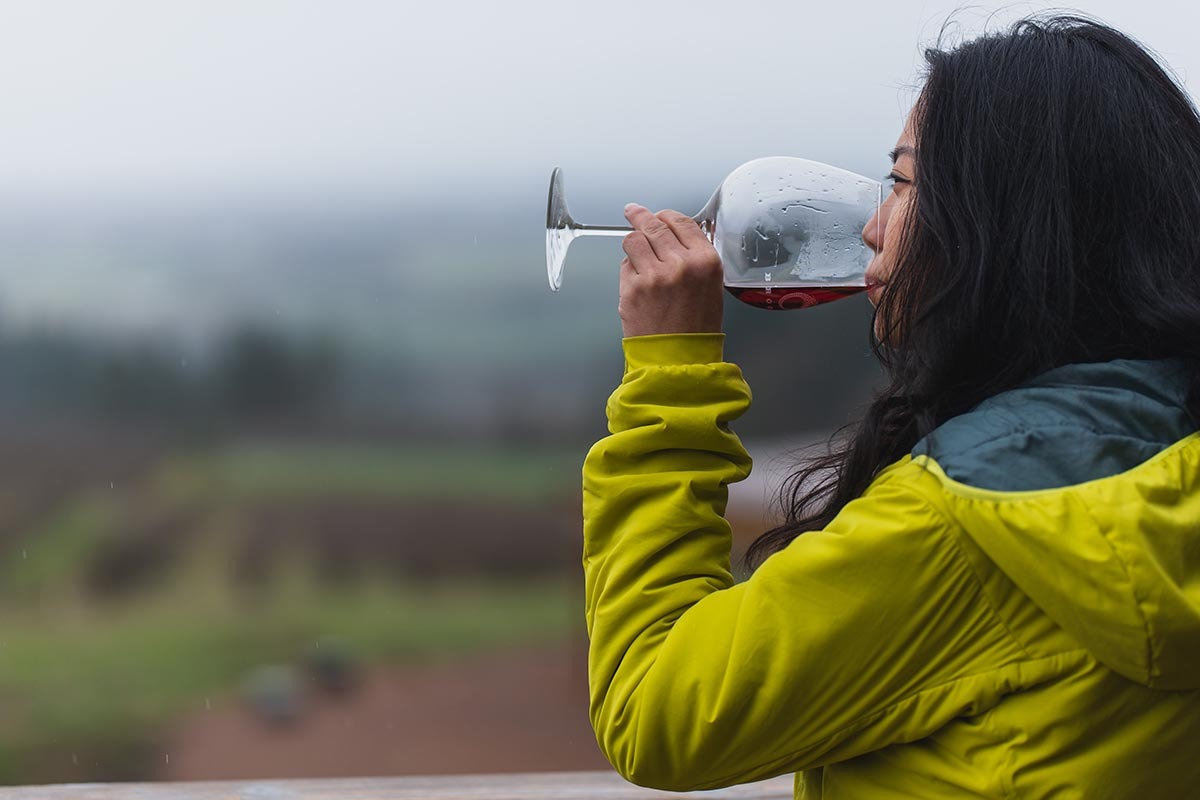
(788, 231)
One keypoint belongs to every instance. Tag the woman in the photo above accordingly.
(996, 591)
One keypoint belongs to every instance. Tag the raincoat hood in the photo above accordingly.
(1083, 486)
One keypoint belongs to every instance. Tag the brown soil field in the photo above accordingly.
(42, 465)
(507, 711)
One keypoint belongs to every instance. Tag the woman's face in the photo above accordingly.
(882, 231)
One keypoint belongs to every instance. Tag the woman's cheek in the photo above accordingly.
(894, 224)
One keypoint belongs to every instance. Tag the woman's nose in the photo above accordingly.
(872, 232)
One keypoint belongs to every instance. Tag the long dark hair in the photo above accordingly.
(1056, 221)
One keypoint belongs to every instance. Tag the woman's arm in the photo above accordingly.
(870, 632)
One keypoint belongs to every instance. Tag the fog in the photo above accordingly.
(137, 98)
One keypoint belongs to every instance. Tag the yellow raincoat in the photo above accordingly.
(1010, 611)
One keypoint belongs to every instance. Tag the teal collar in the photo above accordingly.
(1071, 424)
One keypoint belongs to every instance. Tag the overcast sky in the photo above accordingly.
(142, 96)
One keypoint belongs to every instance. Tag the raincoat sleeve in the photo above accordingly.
(869, 632)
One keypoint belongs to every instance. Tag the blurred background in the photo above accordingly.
(290, 424)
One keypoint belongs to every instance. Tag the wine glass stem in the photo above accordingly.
(612, 230)
(603, 230)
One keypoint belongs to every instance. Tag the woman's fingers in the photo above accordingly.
(667, 286)
(668, 245)
(659, 234)
(637, 250)
(686, 229)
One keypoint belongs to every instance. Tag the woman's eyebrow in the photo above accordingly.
(902, 150)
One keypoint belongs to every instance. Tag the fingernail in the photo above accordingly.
(630, 206)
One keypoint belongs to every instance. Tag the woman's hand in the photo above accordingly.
(671, 279)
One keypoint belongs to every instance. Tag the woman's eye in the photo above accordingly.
(889, 184)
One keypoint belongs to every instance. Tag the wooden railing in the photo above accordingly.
(513, 786)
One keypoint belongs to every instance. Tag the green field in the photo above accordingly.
(510, 475)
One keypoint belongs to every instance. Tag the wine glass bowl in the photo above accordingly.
(788, 231)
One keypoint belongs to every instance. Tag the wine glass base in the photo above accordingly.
(557, 242)
(559, 231)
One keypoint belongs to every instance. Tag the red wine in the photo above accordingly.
(777, 298)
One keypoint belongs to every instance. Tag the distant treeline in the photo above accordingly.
(808, 370)
(253, 376)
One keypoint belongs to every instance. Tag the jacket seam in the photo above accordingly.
(999, 618)
(983, 591)
(955, 530)
(1133, 588)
